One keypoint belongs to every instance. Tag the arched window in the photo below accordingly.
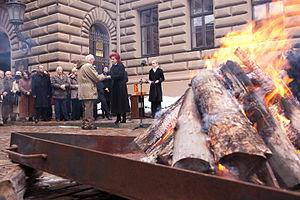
(99, 46)
(4, 52)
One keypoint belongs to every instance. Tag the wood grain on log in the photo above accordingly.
(234, 141)
(285, 160)
(191, 143)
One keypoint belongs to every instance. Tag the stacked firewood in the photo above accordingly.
(221, 125)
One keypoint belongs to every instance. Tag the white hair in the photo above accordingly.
(89, 57)
(74, 69)
(59, 67)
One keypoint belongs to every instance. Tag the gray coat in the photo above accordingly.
(73, 87)
(56, 82)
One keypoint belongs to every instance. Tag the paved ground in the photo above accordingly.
(52, 187)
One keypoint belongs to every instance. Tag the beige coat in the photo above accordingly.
(87, 79)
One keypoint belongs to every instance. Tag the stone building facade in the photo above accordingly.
(63, 31)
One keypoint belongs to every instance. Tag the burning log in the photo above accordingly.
(285, 160)
(234, 141)
(158, 136)
(190, 143)
(288, 104)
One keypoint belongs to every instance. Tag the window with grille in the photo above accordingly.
(202, 23)
(149, 32)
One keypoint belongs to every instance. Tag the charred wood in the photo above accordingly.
(191, 143)
(285, 160)
(234, 141)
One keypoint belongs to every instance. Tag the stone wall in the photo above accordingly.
(59, 33)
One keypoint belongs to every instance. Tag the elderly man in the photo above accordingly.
(41, 92)
(87, 90)
(8, 97)
(1, 93)
(60, 84)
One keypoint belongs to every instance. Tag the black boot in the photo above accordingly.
(124, 118)
(118, 119)
(108, 116)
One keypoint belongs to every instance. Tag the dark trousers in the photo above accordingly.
(106, 108)
(88, 119)
(155, 106)
(7, 111)
(60, 107)
(40, 113)
(76, 109)
(123, 116)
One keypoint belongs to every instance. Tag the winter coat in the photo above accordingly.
(56, 82)
(26, 106)
(119, 94)
(1, 89)
(155, 94)
(10, 97)
(87, 79)
(41, 88)
(74, 87)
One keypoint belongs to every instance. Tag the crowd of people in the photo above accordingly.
(29, 96)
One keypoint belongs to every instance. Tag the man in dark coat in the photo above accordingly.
(156, 77)
(41, 92)
(8, 97)
(119, 94)
(60, 84)
(106, 94)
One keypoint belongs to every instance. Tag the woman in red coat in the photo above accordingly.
(26, 108)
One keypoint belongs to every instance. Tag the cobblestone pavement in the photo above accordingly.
(52, 187)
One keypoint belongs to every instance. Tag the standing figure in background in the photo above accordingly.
(60, 84)
(156, 77)
(8, 97)
(87, 90)
(1, 95)
(26, 106)
(76, 103)
(41, 92)
(106, 94)
(17, 94)
(119, 94)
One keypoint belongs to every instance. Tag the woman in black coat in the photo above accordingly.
(119, 94)
(156, 77)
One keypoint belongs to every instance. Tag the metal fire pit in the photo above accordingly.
(110, 163)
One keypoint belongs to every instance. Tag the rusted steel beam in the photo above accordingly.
(131, 178)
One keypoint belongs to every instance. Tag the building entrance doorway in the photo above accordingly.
(99, 46)
(4, 53)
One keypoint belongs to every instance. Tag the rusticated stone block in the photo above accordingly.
(125, 7)
(241, 9)
(76, 57)
(40, 31)
(293, 32)
(178, 4)
(84, 50)
(179, 39)
(164, 59)
(108, 6)
(130, 47)
(32, 6)
(80, 5)
(165, 23)
(179, 21)
(128, 22)
(172, 13)
(129, 55)
(292, 21)
(173, 49)
(221, 32)
(79, 40)
(55, 56)
(63, 28)
(141, 4)
(166, 41)
(41, 12)
(187, 56)
(30, 24)
(75, 22)
(64, 47)
(67, 66)
(66, 10)
(221, 3)
(196, 64)
(131, 30)
(43, 3)
(54, 37)
(172, 31)
(164, 6)
(178, 84)
(128, 39)
(54, 18)
(33, 60)
(92, 2)
(232, 21)
(222, 12)
(172, 67)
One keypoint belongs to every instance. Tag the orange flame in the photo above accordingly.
(166, 136)
(298, 151)
(222, 171)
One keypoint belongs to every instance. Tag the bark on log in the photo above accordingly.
(285, 160)
(13, 185)
(191, 143)
(151, 140)
(235, 143)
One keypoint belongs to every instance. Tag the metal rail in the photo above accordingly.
(92, 160)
